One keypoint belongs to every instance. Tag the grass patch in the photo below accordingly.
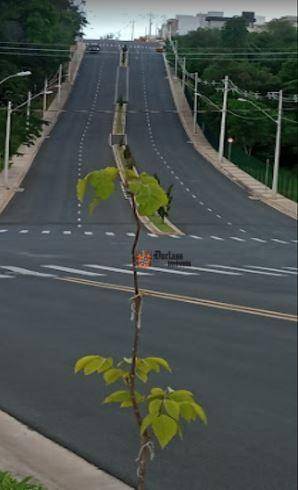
(8, 482)
(161, 225)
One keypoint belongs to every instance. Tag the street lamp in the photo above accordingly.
(278, 122)
(20, 74)
(230, 141)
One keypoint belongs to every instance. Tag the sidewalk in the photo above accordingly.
(24, 452)
(256, 189)
(21, 164)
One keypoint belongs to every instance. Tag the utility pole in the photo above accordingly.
(7, 143)
(60, 83)
(183, 74)
(223, 121)
(195, 108)
(28, 111)
(277, 144)
(133, 23)
(150, 24)
(45, 91)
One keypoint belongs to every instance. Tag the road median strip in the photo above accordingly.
(277, 315)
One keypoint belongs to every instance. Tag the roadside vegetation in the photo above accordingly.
(36, 36)
(8, 482)
(257, 63)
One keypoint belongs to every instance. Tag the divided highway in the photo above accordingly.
(237, 353)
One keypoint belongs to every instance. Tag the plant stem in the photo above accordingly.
(137, 300)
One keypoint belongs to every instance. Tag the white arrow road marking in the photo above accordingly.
(214, 271)
(25, 272)
(70, 270)
(241, 269)
(170, 271)
(272, 269)
(115, 269)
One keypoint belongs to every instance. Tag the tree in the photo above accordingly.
(235, 33)
(164, 409)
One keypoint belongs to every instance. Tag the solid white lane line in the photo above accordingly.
(115, 269)
(291, 268)
(170, 271)
(294, 241)
(196, 237)
(70, 270)
(272, 269)
(217, 238)
(213, 271)
(279, 241)
(237, 239)
(241, 269)
(259, 240)
(25, 272)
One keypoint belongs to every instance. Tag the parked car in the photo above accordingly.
(93, 48)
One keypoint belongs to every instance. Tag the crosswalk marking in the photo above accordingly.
(25, 272)
(115, 269)
(241, 269)
(259, 240)
(170, 271)
(276, 240)
(217, 238)
(237, 239)
(271, 269)
(73, 271)
(213, 271)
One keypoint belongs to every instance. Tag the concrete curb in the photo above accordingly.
(24, 452)
(256, 189)
(21, 164)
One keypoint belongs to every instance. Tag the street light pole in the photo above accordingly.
(60, 82)
(183, 74)
(223, 121)
(277, 144)
(195, 109)
(28, 111)
(20, 74)
(7, 143)
(45, 92)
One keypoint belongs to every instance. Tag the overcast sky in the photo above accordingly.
(107, 16)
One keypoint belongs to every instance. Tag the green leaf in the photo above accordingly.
(146, 422)
(81, 189)
(154, 407)
(149, 195)
(93, 366)
(139, 399)
(181, 396)
(112, 375)
(200, 412)
(81, 363)
(164, 428)
(156, 393)
(187, 411)
(172, 408)
(159, 361)
(141, 375)
(102, 183)
(107, 364)
(117, 397)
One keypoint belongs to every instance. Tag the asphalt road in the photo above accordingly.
(242, 366)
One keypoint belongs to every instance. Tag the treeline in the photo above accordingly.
(35, 35)
(258, 62)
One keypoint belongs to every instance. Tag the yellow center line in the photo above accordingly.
(185, 299)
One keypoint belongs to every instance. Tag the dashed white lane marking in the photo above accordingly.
(45, 232)
(202, 203)
(217, 238)
(131, 234)
(110, 233)
(115, 269)
(259, 240)
(213, 271)
(175, 236)
(294, 241)
(194, 196)
(210, 210)
(237, 239)
(229, 223)
(67, 232)
(219, 216)
(241, 269)
(24, 232)
(196, 237)
(25, 272)
(271, 269)
(170, 271)
(152, 235)
(276, 240)
(70, 270)
(3, 231)
(88, 233)
(5, 276)
(291, 268)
